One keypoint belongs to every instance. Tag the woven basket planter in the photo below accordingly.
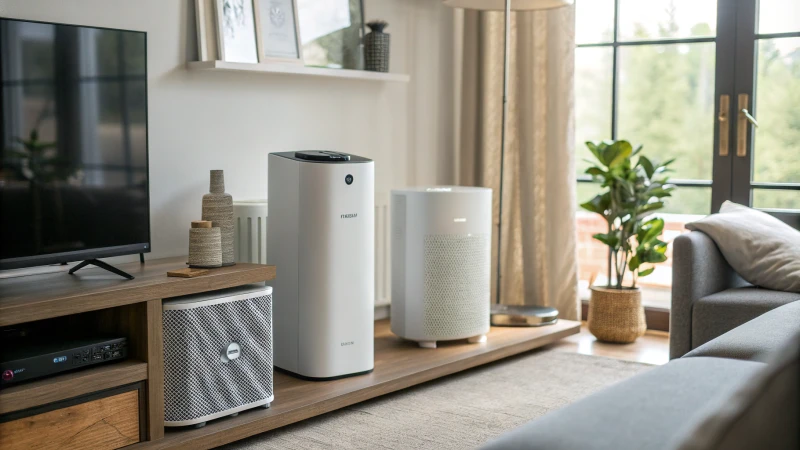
(616, 315)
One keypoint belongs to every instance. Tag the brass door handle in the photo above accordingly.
(724, 124)
(743, 125)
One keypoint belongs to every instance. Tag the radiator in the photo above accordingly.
(250, 231)
(383, 282)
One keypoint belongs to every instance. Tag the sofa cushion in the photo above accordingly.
(761, 248)
(642, 412)
(756, 339)
(716, 314)
(762, 413)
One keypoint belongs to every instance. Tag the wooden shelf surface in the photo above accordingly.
(43, 296)
(71, 384)
(298, 69)
(398, 364)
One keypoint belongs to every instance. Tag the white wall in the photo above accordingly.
(202, 120)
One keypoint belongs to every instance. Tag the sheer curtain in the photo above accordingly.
(539, 263)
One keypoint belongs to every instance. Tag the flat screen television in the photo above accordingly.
(73, 143)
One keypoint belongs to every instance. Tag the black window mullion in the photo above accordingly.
(789, 34)
(615, 72)
(745, 48)
(724, 85)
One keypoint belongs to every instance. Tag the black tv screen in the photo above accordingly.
(73, 143)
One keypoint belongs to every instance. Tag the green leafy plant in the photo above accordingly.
(632, 192)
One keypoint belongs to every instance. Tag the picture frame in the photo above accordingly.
(278, 31)
(236, 31)
(332, 33)
(206, 30)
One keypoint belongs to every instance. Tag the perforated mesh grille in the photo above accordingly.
(457, 287)
(196, 381)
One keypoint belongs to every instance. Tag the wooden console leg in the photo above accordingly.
(155, 371)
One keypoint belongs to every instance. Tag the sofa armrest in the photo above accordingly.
(698, 270)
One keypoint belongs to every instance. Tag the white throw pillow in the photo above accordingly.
(759, 247)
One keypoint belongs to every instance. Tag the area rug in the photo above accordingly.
(461, 411)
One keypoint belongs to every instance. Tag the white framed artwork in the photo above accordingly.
(278, 29)
(236, 31)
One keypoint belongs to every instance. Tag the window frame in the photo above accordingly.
(744, 73)
(615, 45)
(735, 67)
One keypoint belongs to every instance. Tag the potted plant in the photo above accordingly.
(631, 193)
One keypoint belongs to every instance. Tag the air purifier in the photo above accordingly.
(218, 354)
(321, 238)
(441, 263)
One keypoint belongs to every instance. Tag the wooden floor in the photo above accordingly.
(652, 348)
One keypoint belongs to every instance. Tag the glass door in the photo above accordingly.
(689, 79)
(646, 71)
(765, 108)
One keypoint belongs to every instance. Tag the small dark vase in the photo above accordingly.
(376, 47)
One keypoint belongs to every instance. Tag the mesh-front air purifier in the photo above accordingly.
(441, 262)
(322, 240)
(217, 354)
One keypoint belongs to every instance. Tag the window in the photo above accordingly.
(655, 73)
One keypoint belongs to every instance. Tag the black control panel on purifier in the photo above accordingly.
(24, 359)
(323, 156)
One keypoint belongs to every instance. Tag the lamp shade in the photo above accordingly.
(500, 5)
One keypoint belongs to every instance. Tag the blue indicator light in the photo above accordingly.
(59, 359)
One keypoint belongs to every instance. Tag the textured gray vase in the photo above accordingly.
(218, 208)
(376, 47)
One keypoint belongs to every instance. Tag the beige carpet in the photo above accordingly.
(458, 412)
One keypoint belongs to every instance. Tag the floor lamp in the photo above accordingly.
(511, 315)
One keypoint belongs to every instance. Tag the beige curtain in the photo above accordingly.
(539, 261)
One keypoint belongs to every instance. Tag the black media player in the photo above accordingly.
(26, 359)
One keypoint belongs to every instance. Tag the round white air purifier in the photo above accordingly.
(441, 263)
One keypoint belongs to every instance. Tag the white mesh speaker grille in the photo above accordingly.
(457, 285)
(197, 383)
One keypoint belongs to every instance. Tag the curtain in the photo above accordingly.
(539, 258)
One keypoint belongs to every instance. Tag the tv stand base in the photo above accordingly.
(102, 265)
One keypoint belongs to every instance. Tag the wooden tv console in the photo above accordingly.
(121, 404)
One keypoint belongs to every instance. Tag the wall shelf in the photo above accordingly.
(297, 69)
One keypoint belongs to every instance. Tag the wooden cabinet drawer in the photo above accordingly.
(106, 423)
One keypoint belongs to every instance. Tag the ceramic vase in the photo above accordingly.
(218, 208)
(376, 47)
(205, 248)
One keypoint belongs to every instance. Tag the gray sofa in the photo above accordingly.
(708, 297)
(732, 382)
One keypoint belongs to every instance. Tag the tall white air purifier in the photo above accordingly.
(322, 240)
(441, 263)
